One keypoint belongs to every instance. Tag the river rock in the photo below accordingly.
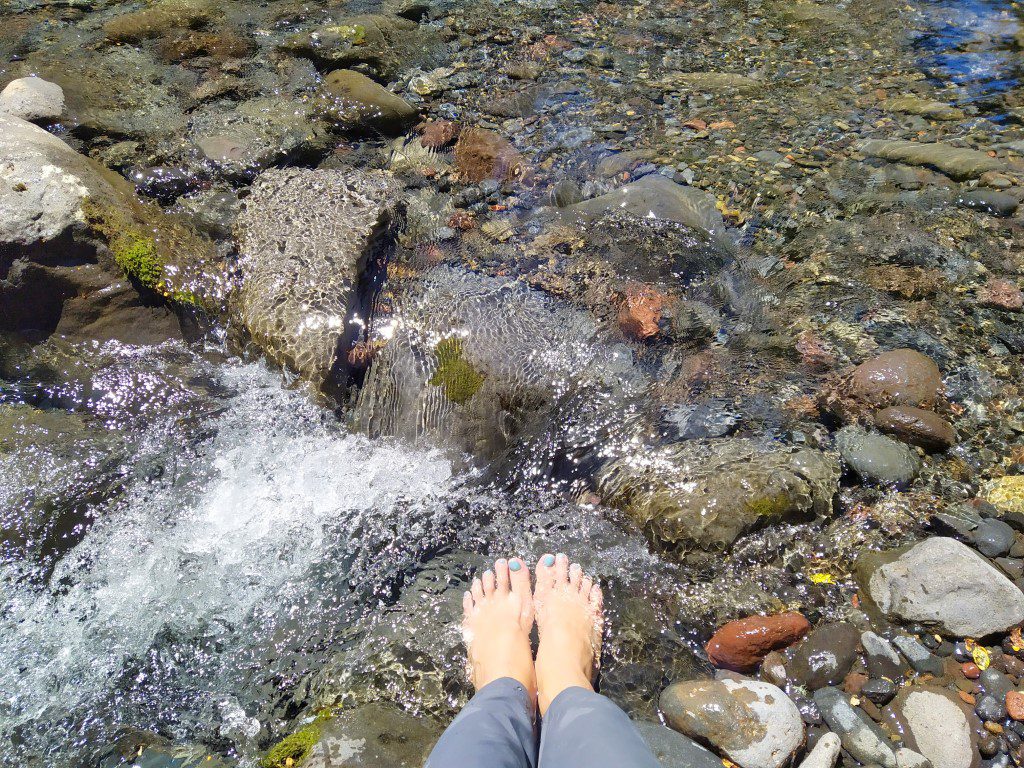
(882, 658)
(742, 644)
(991, 201)
(74, 231)
(860, 735)
(937, 724)
(943, 584)
(908, 758)
(956, 162)
(32, 98)
(386, 45)
(824, 656)
(899, 377)
(915, 105)
(824, 754)
(921, 659)
(916, 426)
(709, 492)
(358, 103)
(656, 196)
(674, 750)
(752, 722)
(993, 538)
(1001, 294)
(373, 736)
(305, 238)
(482, 155)
(877, 458)
(879, 691)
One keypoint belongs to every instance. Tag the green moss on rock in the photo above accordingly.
(296, 746)
(454, 373)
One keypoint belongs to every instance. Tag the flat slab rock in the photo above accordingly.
(373, 736)
(753, 722)
(304, 239)
(935, 723)
(943, 584)
(956, 162)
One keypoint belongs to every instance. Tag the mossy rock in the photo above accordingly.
(157, 20)
(455, 374)
(292, 748)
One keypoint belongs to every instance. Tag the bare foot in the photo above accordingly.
(569, 621)
(498, 616)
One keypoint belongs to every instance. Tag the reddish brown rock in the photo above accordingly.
(640, 311)
(1015, 704)
(970, 670)
(899, 377)
(742, 644)
(917, 427)
(438, 134)
(481, 154)
(1001, 294)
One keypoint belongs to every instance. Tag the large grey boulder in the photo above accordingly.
(674, 750)
(305, 238)
(877, 458)
(755, 723)
(658, 197)
(32, 98)
(943, 584)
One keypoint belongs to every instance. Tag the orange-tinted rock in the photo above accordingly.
(439, 133)
(970, 670)
(899, 377)
(641, 311)
(742, 644)
(916, 426)
(481, 154)
(1015, 704)
(1001, 294)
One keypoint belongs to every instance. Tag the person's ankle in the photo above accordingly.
(550, 686)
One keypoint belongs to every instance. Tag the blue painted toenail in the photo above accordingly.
(549, 560)
(514, 565)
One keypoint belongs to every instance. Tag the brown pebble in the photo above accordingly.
(995, 728)
(970, 670)
(916, 426)
(966, 697)
(899, 377)
(1015, 704)
(854, 682)
(872, 709)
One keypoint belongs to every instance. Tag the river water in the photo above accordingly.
(193, 546)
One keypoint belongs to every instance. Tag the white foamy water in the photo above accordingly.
(191, 587)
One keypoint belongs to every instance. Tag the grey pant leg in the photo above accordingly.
(495, 730)
(583, 729)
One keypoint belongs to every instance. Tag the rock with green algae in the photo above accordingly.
(157, 20)
(956, 162)
(1006, 493)
(455, 374)
(706, 493)
(294, 747)
(72, 226)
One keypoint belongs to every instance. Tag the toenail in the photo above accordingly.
(514, 565)
(549, 560)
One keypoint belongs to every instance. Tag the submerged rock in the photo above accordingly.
(358, 103)
(306, 238)
(709, 492)
(899, 377)
(373, 736)
(754, 723)
(917, 427)
(824, 754)
(32, 98)
(658, 197)
(943, 584)
(825, 656)
(1006, 493)
(957, 162)
(481, 154)
(915, 105)
(877, 458)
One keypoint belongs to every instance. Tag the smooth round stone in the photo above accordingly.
(877, 458)
(989, 708)
(879, 690)
(743, 643)
(899, 377)
(993, 538)
(937, 724)
(824, 656)
(824, 754)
